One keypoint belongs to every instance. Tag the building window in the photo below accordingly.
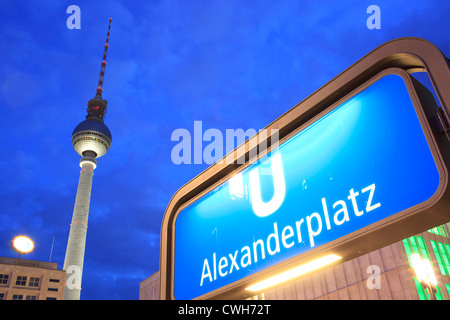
(53, 280)
(415, 244)
(34, 282)
(438, 294)
(4, 278)
(2, 295)
(21, 280)
(50, 298)
(30, 298)
(440, 230)
(17, 297)
(52, 289)
(442, 256)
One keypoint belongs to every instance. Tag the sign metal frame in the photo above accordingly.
(400, 56)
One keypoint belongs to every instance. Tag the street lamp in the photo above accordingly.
(424, 273)
(22, 244)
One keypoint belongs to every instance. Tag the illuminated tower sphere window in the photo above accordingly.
(91, 139)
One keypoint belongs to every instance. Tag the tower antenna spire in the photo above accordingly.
(97, 105)
(102, 70)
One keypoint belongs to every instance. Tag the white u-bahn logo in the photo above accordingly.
(261, 208)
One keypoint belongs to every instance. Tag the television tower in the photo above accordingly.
(91, 139)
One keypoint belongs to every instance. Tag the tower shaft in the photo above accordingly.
(73, 262)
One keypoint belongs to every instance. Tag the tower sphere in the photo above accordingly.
(91, 135)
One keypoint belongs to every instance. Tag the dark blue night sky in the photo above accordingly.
(230, 64)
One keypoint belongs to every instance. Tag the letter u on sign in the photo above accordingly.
(263, 209)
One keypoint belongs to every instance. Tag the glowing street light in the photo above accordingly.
(424, 272)
(22, 244)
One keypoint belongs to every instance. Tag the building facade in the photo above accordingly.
(149, 288)
(383, 274)
(22, 279)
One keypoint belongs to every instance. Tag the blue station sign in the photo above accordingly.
(364, 160)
